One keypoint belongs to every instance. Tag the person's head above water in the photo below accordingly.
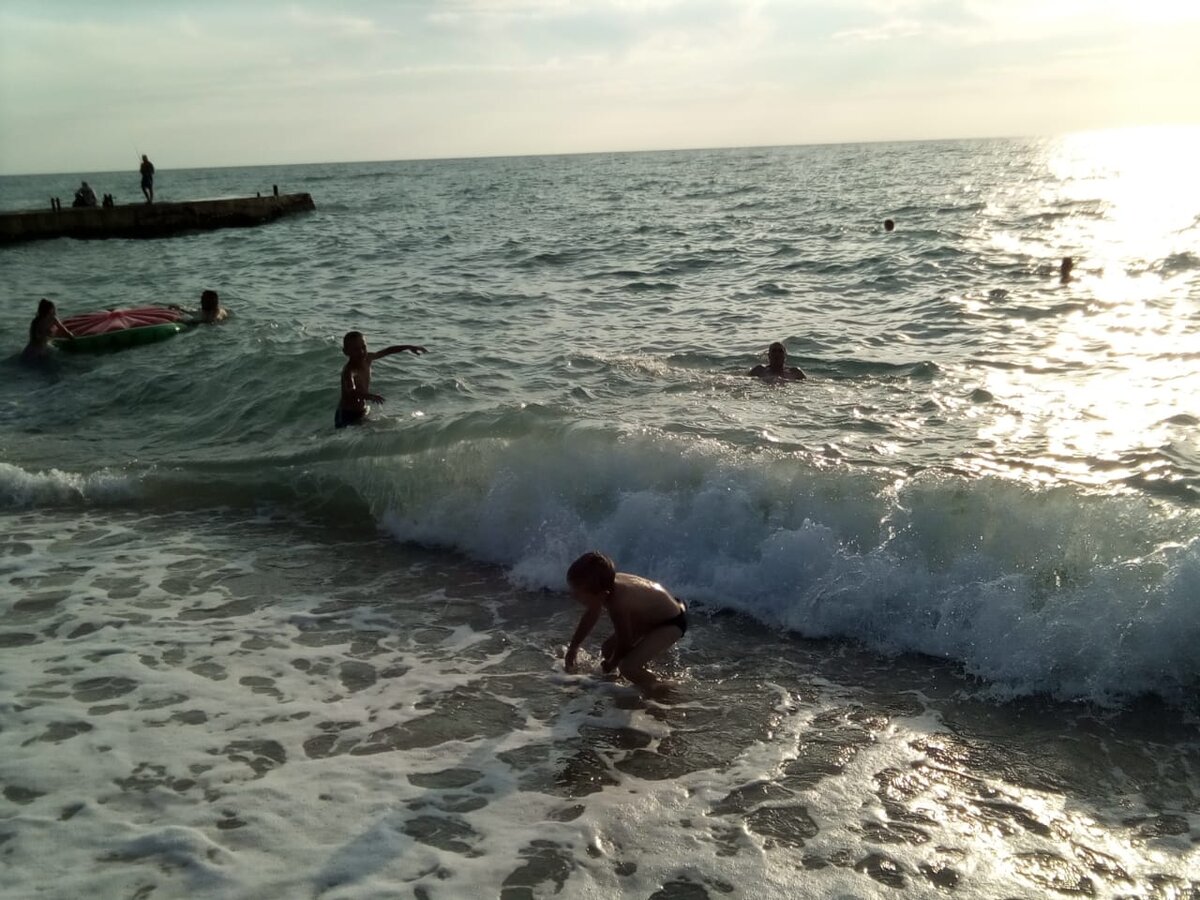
(210, 301)
(777, 355)
(591, 577)
(46, 308)
(145, 158)
(1065, 268)
(354, 345)
(889, 225)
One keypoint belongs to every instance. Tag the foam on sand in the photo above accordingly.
(202, 707)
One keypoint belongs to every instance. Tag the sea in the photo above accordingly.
(944, 594)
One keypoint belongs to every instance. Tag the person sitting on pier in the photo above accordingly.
(147, 170)
(85, 196)
(42, 329)
(777, 368)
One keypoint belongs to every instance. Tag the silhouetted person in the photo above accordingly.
(356, 378)
(147, 171)
(889, 225)
(211, 310)
(777, 368)
(41, 330)
(85, 196)
(1065, 269)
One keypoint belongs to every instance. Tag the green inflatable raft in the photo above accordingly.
(119, 329)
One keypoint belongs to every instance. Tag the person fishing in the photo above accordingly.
(147, 170)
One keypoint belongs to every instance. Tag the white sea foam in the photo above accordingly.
(1035, 590)
(226, 726)
(23, 488)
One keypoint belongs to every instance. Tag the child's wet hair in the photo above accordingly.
(350, 336)
(594, 572)
(45, 308)
(209, 301)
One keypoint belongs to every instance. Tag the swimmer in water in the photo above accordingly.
(41, 330)
(777, 368)
(210, 312)
(356, 378)
(889, 225)
(646, 618)
(1065, 269)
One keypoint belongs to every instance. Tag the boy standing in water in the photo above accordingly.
(646, 618)
(356, 378)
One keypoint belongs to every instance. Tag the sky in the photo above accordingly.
(87, 84)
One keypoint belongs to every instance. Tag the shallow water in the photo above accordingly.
(945, 591)
(207, 706)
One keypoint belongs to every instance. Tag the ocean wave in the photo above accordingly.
(21, 489)
(1033, 591)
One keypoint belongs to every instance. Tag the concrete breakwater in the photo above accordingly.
(149, 220)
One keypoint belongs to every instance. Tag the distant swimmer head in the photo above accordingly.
(46, 308)
(210, 301)
(889, 225)
(591, 577)
(354, 344)
(777, 355)
(1065, 268)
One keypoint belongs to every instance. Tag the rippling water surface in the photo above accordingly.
(946, 589)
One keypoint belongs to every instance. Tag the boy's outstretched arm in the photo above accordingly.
(414, 349)
(586, 623)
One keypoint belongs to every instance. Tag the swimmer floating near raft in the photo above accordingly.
(42, 329)
(356, 378)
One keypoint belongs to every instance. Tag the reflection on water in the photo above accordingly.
(1109, 373)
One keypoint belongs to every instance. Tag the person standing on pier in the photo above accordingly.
(147, 171)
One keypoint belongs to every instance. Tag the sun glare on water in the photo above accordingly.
(1110, 379)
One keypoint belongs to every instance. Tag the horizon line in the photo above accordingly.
(650, 150)
(549, 155)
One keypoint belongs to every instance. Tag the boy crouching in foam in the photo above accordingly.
(646, 619)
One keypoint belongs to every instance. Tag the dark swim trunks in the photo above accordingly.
(344, 417)
(680, 621)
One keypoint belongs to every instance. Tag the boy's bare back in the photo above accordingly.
(646, 619)
(644, 604)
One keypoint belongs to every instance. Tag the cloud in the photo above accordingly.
(344, 26)
(887, 31)
(379, 79)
